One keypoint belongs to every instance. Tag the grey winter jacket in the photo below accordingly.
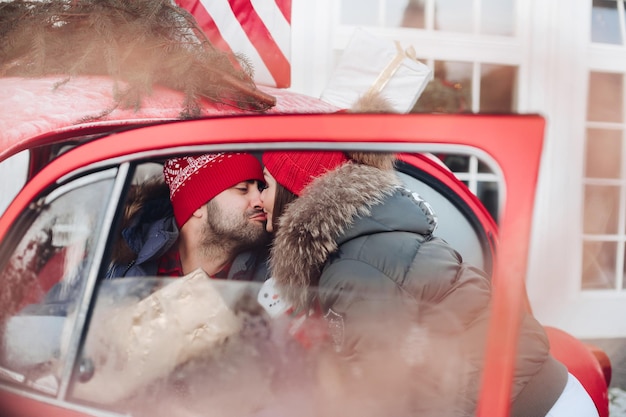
(362, 239)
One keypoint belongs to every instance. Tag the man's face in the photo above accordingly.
(235, 217)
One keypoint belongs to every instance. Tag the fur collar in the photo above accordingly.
(310, 226)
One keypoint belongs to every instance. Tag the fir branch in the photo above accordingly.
(140, 42)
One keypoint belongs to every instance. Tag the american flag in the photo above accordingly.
(258, 29)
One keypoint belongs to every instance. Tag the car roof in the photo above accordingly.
(49, 110)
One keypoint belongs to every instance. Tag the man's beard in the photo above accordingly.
(231, 231)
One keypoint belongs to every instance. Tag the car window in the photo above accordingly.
(180, 346)
(452, 225)
(44, 278)
(187, 346)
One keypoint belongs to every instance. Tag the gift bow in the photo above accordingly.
(391, 68)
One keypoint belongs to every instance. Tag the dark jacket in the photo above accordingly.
(363, 239)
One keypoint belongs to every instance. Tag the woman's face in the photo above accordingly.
(267, 199)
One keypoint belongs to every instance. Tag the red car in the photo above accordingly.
(61, 226)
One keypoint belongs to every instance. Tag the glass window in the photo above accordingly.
(181, 346)
(478, 177)
(359, 12)
(601, 212)
(165, 346)
(498, 17)
(488, 192)
(605, 97)
(450, 91)
(385, 13)
(603, 156)
(395, 11)
(604, 219)
(605, 21)
(413, 15)
(497, 88)
(454, 16)
(599, 265)
(44, 278)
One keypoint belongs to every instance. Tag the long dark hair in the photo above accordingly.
(282, 198)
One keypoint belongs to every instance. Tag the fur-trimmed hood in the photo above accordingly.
(338, 206)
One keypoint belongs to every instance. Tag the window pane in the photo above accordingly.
(449, 91)
(180, 347)
(603, 155)
(46, 274)
(456, 163)
(605, 22)
(497, 17)
(454, 15)
(413, 15)
(487, 192)
(599, 265)
(497, 88)
(601, 210)
(392, 14)
(483, 168)
(605, 97)
(359, 12)
(395, 11)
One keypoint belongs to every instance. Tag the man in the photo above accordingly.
(203, 213)
(206, 214)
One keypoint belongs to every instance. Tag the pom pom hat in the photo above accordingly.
(294, 170)
(193, 181)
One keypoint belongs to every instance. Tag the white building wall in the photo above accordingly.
(12, 178)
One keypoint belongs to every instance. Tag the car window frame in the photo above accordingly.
(85, 304)
(118, 174)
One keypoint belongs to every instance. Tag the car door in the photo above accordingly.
(511, 144)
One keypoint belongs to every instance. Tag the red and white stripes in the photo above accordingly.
(258, 29)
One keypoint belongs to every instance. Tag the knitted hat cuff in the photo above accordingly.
(194, 181)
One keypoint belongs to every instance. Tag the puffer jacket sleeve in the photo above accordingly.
(358, 302)
(433, 288)
(437, 307)
(429, 313)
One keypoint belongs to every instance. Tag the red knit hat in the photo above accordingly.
(294, 170)
(195, 180)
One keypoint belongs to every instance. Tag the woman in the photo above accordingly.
(345, 225)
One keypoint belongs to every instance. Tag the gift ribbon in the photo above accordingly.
(391, 68)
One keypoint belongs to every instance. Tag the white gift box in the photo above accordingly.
(373, 65)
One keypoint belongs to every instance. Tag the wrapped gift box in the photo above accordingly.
(373, 65)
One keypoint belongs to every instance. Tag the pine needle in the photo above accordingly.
(140, 42)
